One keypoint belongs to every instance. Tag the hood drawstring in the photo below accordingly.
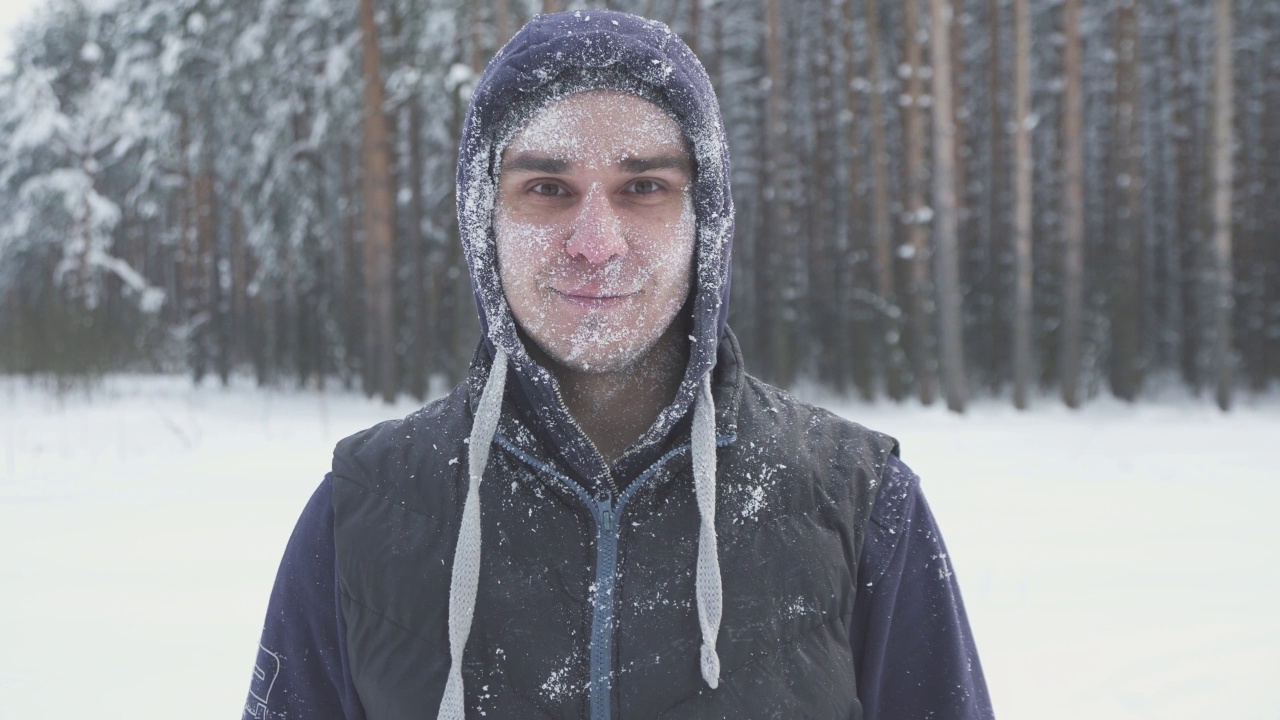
(466, 555)
(707, 585)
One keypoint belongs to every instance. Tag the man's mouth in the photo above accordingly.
(592, 298)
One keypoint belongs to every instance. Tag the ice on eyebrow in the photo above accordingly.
(561, 130)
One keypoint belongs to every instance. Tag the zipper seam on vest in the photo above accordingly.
(606, 516)
(601, 687)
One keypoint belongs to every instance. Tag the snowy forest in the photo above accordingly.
(937, 199)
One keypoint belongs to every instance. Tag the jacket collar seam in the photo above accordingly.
(641, 480)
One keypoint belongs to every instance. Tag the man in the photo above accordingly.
(609, 518)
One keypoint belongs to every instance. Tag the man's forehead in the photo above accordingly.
(533, 161)
(598, 127)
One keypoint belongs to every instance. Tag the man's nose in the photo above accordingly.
(596, 235)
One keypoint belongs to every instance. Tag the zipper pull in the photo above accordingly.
(606, 514)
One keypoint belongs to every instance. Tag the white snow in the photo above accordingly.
(13, 13)
(1118, 563)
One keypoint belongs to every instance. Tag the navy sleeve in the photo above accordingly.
(912, 645)
(302, 669)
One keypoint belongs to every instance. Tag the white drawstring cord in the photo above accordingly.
(466, 555)
(707, 584)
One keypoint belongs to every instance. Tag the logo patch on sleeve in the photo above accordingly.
(265, 671)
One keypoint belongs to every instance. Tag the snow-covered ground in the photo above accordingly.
(1119, 562)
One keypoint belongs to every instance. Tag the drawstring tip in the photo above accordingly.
(710, 666)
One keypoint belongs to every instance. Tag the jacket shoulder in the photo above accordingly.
(772, 410)
(398, 451)
(794, 457)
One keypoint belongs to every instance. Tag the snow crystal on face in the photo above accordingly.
(558, 66)
(600, 238)
(477, 201)
(551, 130)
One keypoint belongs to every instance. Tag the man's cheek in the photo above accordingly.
(524, 237)
(526, 248)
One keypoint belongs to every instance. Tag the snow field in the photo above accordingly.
(1117, 563)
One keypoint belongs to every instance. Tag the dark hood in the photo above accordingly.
(551, 57)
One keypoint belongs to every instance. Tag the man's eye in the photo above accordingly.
(645, 187)
(548, 189)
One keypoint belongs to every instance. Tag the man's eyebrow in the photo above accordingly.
(671, 161)
(537, 164)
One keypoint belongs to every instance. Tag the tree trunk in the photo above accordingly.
(855, 341)
(822, 263)
(986, 261)
(475, 24)
(379, 229)
(1223, 97)
(206, 269)
(771, 260)
(420, 315)
(1188, 202)
(947, 264)
(1271, 217)
(918, 213)
(502, 21)
(1126, 287)
(1022, 370)
(966, 232)
(695, 22)
(188, 256)
(353, 272)
(461, 325)
(239, 282)
(715, 68)
(887, 309)
(1251, 236)
(994, 345)
(960, 122)
(1072, 204)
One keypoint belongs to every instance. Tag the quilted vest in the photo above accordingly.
(585, 607)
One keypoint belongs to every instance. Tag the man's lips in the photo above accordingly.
(594, 299)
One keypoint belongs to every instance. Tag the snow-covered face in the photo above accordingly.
(595, 228)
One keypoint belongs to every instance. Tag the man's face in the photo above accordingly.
(595, 228)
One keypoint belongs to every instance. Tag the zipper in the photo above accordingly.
(612, 488)
(605, 513)
(602, 616)
(600, 649)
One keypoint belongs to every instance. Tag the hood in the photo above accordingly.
(551, 57)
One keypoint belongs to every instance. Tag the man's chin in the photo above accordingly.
(596, 348)
(599, 360)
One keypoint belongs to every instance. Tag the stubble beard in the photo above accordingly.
(602, 345)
